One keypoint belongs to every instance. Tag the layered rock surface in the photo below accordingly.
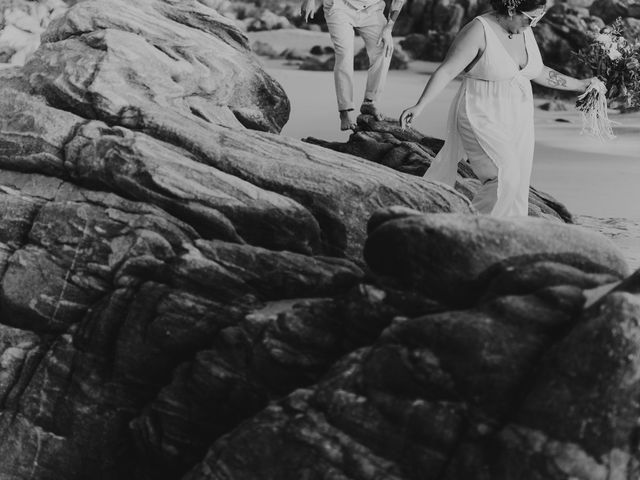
(183, 292)
(518, 377)
(146, 231)
(21, 24)
(409, 151)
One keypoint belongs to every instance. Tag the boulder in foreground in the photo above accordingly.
(449, 257)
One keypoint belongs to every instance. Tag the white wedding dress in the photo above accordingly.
(491, 119)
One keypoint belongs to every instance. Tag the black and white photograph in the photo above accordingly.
(319, 239)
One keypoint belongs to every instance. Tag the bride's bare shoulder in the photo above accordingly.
(472, 32)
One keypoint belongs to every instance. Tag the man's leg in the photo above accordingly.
(378, 62)
(340, 26)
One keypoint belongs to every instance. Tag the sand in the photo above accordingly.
(594, 179)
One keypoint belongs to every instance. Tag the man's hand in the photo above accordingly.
(308, 9)
(386, 40)
(407, 116)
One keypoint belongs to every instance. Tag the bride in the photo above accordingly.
(491, 118)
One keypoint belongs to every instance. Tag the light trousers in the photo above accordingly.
(343, 20)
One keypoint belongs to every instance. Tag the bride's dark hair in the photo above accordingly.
(524, 6)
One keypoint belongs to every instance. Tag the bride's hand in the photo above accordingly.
(587, 82)
(407, 116)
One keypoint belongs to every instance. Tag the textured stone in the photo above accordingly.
(579, 419)
(609, 10)
(218, 205)
(447, 256)
(426, 401)
(312, 176)
(222, 181)
(273, 350)
(181, 295)
(129, 62)
(32, 134)
(399, 60)
(409, 151)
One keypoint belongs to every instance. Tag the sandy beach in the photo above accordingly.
(591, 178)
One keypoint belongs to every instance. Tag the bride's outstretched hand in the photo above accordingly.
(591, 81)
(407, 116)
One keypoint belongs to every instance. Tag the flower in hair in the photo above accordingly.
(512, 5)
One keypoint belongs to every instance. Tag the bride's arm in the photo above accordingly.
(552, 79)
(466, 46)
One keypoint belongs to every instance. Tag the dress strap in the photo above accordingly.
(489, 33)
(483, 22)
(485, 25)
(474, 63)
(487, 28)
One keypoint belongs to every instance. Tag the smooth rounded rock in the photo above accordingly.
(444, 256)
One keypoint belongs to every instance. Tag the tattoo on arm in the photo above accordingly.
(556, 79)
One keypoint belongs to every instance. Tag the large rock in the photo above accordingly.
(623, 232)
(21, 24)
(609, 10)
(451, 257)
(267, 20)
(275, 349)
(167, 274)
(264, 49)
(217, 204)
(399, 60)
(148, 238)
(409, 151)
(130, 64)
(128, 79)
(566, 30)
(129, 292)
(138, 166)
(429, 400)
(247, 168)
(32, 134)
(579, 419)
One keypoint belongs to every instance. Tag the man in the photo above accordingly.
(367, 17)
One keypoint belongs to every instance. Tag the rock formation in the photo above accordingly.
(141, 220)
(409, 151)
(186, 294)
(21, 24)
(512, 378)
